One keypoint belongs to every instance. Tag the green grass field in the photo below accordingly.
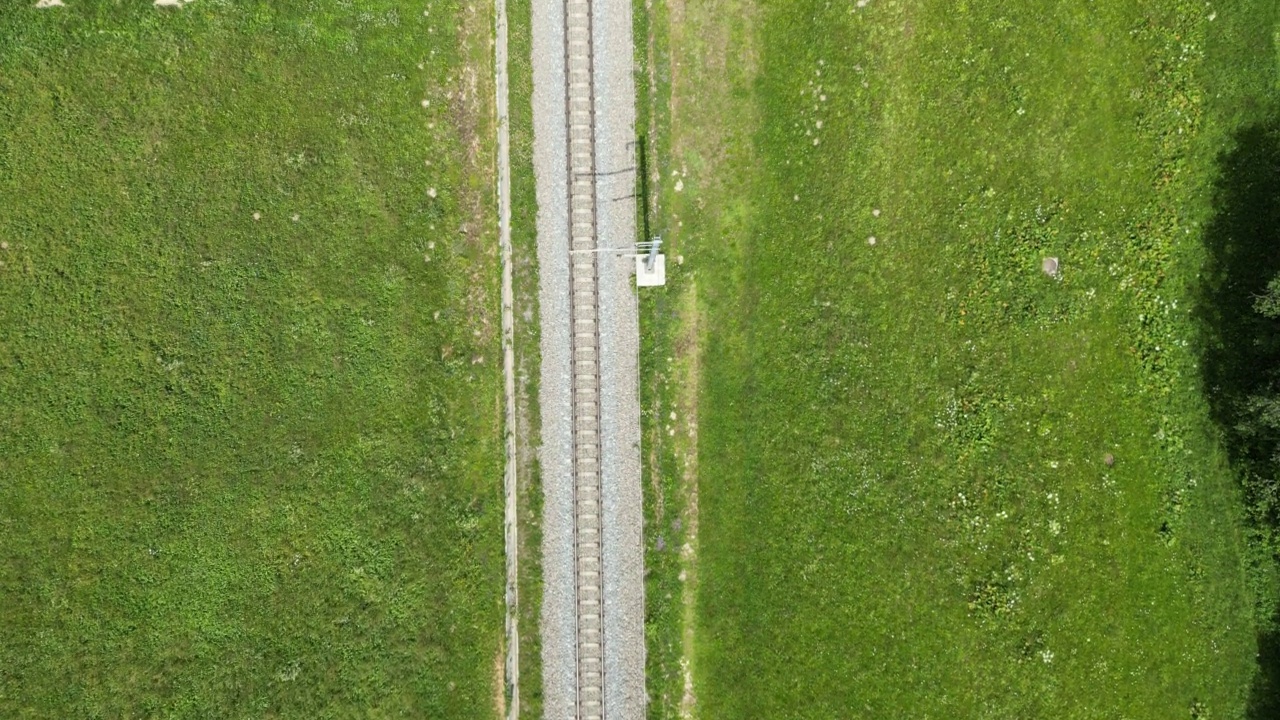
(904, 504)
(249, 372)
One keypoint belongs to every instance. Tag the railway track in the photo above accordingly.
(585, 354)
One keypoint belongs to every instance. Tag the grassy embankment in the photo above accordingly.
(249, 369)
(904, 500)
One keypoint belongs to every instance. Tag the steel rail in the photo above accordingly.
(585, 357)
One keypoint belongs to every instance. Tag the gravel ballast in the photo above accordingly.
(622, 517)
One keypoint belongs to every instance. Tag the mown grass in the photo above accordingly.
(249, 389)
(906, 508)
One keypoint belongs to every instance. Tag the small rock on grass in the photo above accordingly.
(1051, 267)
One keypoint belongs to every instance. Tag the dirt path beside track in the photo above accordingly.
(511, 541)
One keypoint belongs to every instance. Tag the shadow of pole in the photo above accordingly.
(1240, 351)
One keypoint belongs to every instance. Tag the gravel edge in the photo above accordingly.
(622, 518)
(557, 621)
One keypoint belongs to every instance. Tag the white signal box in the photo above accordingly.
(651, 271)
(651, 265)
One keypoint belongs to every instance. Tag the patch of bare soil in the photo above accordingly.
(499, 682)
(688, 355)
(471, 110)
